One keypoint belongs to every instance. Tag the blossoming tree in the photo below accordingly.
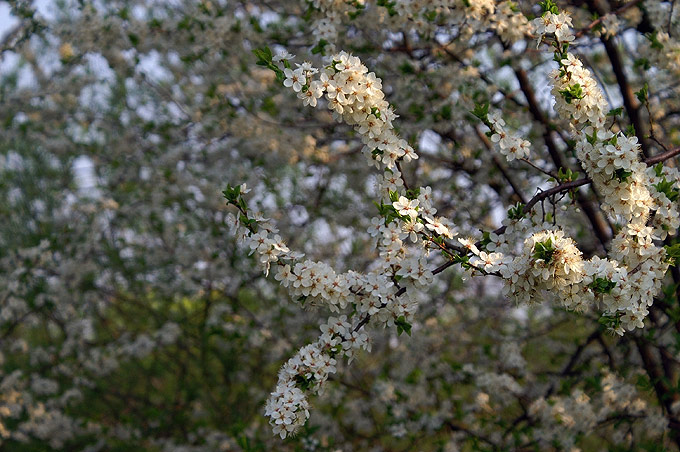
(462, 214)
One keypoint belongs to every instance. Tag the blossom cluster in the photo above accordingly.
(288, 407)
(577, 95)
(373, 294)
(511, 146)
(536, 259)
(609, 26)
(355, 96)
(308, 370)
(133, 279)
(381, 296)
(663, 50)
(557, 24)
(549, 263)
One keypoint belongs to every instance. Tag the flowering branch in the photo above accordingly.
(547, 262)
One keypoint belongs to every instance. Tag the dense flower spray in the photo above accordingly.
(546, 264)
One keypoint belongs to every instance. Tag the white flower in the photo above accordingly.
(307, 67)
(405, 206)
(434, 224)
(310, 96)
(469, 244)
(283, 55)
(412, 228)
(295, 79)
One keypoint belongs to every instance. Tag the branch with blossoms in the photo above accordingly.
(535, 258)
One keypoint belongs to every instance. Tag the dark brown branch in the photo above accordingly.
(663, 156)
(548, 193)
(585, 181)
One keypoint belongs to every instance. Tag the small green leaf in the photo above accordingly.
(602, 285)
(615, 111)
(481, 111)
(673, 253)
(544, 250)
(516, 212)
(572, 92)
(643, 93)
(402, 326)
(320, 47)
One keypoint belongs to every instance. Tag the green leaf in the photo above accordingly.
(654, 40)
(413, 193)
(643, 93)
(481, 111)
(320, 47)
(592, 139)
(643, 63)
(602, 285)
(402, 326)
(549, 6)
(544, 250)
(572, 92)
(621, 174)
(134, 39)
(658, 169)
(486, 239)
(516, 212)
(611, 322)
(673, 253)
(667, 188)
(264, 56)
(615, 111)
(232, 193)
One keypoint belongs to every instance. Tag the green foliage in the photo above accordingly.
(320, 47)
(516, 212)
(673, 253)
(232, 194)
(643, 63)
(402, 326)
(664, 186)
(481, 111)
(486, 239)
(265, 58)
(654, 40)
(544, 251)
(572, 92)
(602, 285)
(621, 174)
(389, 5)
(615, 112)
(566, 175)
(643, 93)
(388, 211)
(610, 322)
(592, 139)
(413, 193)
(549, 6)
